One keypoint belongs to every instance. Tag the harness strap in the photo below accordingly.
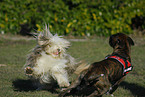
(125, 63)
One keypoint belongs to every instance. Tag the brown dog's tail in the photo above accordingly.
(82, 67)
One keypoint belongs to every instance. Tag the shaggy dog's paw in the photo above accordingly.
(29, 70)
(64, 85)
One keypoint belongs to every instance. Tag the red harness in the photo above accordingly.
(125, 63)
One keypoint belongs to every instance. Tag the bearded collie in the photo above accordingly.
(48, 63)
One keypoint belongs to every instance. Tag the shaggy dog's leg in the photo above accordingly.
(45, 82)
(61, 76)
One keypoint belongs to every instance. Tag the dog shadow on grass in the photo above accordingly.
(27, 85)
(135, 89)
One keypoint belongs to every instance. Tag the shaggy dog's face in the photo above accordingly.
(53, 50)
(54, 45)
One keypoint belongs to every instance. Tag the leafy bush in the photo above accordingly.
(70, 17)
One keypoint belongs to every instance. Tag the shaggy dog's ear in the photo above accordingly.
(42, 40)
(131, 42)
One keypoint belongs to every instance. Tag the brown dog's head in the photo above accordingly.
(120, 40)
(121, 43)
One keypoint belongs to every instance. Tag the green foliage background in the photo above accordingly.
(70, 17)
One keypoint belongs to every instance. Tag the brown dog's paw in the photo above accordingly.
(28, 70)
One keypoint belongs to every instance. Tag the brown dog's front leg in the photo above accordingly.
(115, 86)
(62, 94)
(71, 87)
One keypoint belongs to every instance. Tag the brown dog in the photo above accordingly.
(104, 76)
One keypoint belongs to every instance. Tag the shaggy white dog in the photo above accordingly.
(48, 62)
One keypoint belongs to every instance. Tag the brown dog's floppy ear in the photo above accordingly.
(130, 41)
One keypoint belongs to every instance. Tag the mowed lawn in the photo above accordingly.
(14, 83)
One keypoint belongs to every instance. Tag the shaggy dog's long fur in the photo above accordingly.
(48, 62)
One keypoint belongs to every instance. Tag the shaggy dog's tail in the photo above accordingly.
(82, 67)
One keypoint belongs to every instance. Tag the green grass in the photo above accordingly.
(13, 82)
